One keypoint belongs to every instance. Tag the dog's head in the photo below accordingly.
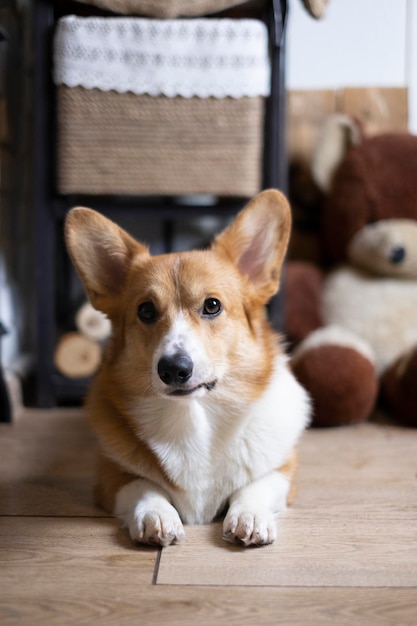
(185, 323)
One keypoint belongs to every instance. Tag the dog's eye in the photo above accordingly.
(212, 307)
(147, 312)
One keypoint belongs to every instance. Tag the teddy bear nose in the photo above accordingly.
(397, 254)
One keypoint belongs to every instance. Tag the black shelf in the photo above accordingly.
(70, 389)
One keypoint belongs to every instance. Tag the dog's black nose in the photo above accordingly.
(175, 369)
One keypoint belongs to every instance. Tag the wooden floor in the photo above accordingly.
(346, 552)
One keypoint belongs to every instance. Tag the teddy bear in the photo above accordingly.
(353, 319)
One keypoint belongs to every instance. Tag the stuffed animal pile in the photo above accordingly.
(355, 325)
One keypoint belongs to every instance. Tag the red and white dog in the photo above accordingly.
(195, 408)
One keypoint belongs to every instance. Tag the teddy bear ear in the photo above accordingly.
(316, 8)
(339, 133)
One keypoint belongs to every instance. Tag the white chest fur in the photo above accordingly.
(211, 446)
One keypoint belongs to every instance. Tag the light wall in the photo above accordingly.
(359, 43)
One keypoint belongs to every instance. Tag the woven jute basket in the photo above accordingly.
(123, 143)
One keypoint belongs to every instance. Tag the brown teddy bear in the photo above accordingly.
(355, 327)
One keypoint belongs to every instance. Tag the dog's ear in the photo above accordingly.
(102, 253)
(256, 241)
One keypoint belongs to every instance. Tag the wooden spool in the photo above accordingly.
(77, 356)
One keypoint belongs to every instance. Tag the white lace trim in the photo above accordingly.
(182, 57)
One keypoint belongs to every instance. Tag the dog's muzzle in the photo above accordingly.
(176, 371)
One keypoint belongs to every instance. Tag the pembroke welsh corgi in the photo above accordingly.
(195, 408)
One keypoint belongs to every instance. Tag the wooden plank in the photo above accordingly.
(72, 571)
(47, 461)
(380, 109)
(354, 523)
(371, 463)
(307, 111)
(323, 550)
(128, 603)
(45, 552)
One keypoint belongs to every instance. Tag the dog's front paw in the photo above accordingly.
(158, 527)
(249, 528)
